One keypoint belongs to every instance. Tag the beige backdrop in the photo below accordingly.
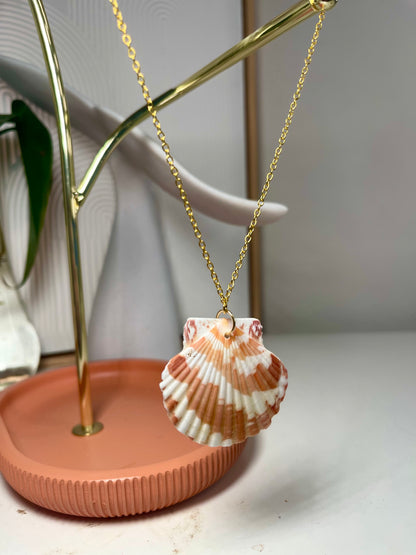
(344, 258)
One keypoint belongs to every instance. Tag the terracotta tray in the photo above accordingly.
(138, 463)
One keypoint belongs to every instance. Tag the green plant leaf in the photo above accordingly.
(36, 151)
(6, 118)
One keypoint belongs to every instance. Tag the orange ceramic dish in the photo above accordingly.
(138, 463)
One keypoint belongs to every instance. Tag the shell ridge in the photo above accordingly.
(261, 379)
(199, 361)
(248, 392)
(178, 368)
(256, 355)
(169, 385)
(262, 376)
(174, 386)
(170, 367)
(209, 414)
(200, 396)
(218, 349)
(195, 389)
(199, 350)
(250, 347)
(227, 420)
(239, 424)
(217, 430)
(276, 367)
(216, 412)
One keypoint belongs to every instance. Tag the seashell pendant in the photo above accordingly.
(223, 387)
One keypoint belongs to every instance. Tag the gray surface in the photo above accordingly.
(344, 258)
(334, 474)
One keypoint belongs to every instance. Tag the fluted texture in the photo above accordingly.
(120, 497)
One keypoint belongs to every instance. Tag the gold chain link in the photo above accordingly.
(224, 297)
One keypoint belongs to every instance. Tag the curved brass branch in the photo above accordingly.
(277, 26)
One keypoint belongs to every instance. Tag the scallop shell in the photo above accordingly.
(218, 391)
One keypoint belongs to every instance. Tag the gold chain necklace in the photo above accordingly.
(224, 386)
(224, 297)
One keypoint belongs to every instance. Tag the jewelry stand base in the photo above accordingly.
(138, 463)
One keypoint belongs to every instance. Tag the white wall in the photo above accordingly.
(344, 258)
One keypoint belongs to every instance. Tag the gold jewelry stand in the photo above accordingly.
(80, 493)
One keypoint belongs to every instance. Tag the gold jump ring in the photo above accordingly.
(227, 334)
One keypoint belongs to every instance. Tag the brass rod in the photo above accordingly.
(252, 158)
(71, 223)
(277, 26)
